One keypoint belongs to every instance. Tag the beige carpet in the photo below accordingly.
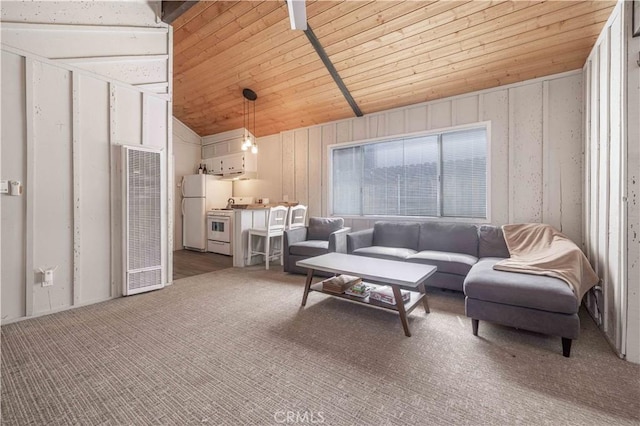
(233, 347)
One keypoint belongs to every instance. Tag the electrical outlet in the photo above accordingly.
(47, 277)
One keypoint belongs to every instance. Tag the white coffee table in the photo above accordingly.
(393, 273)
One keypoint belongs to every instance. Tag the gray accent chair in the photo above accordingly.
(323, 235)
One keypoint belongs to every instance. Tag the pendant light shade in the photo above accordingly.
(249, 99)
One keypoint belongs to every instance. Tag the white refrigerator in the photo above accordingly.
(201, 193)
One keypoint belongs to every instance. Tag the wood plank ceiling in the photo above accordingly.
(389, 54)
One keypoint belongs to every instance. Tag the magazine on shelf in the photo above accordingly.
(340, 283)
(384, 294)
(359, 290)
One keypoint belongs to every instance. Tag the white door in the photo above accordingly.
(193, 186)
(193, 223)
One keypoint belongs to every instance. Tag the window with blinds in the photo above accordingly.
(443, 174)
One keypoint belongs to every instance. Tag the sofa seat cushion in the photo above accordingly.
(393, 253)
(309, 248)
(450, 263)
(526, 290)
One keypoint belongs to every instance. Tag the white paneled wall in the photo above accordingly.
(612, 162)
(632, 148)
(121, 40)
(536, 151)
(187, 150)
(61, 128)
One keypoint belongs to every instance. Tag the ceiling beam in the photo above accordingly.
(171, 10)
(332, 70)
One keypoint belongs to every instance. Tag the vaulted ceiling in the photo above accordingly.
(388, 53)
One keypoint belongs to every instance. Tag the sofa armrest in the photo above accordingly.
(338, 241)
(295, 235)
(359, 239)
(292, 236)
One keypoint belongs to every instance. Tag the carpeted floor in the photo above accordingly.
(233, 347)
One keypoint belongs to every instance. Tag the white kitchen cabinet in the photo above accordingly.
(223, 144)
(244, 220)
(215, 166)
(233, 163)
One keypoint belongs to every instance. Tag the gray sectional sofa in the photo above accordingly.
(464, 255)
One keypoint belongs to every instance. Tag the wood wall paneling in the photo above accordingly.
(465, 111)
(75, 120)
(631, 152)
(610, 245)
(594, 154)
(53, 215)
(101, 15)
(603, 186)
(288, 166)
(377, 125)
(396, 122)
(156, 131)
(516, 116)
(329, 137)
(128, 110)
(360, 130)
(440, 115)
(344, 131)
(615, 183)
(316, 184)
(416, 119)
(77, 43)
(562, 157)
(301, 166)
(95, 177)
(525, 155)
(495, 108)
(14, 159)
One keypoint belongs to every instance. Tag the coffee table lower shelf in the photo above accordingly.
(409, 305)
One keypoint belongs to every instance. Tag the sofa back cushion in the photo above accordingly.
(396, 234)
(449, 237)
(321, 227)
(492, 242)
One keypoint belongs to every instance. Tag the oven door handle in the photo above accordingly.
(220, 218)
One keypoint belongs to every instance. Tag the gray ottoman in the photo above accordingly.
(530, 302)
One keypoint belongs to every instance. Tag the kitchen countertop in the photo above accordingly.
(264, 206)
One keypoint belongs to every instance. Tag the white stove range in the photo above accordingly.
(220, 231)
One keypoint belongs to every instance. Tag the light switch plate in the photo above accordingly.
(4, 187)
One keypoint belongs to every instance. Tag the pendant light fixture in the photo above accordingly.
(249, 98)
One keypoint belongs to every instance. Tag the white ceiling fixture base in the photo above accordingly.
(297, 14)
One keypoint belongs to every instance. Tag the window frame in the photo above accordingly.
(433, 132)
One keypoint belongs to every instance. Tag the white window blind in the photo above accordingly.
(464, 171)
(434, 175)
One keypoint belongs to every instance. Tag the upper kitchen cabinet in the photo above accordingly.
(223, 155)
(243, 165)
(225, 143)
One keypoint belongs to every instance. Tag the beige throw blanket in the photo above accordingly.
(540, 249)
